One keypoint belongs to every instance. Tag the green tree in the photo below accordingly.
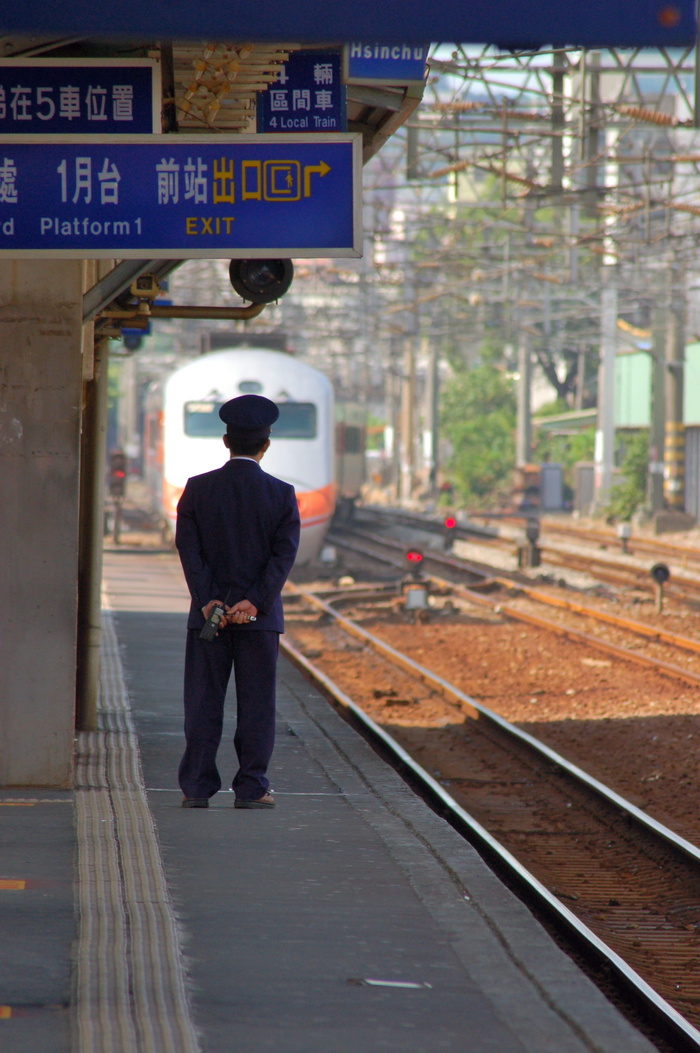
(629, 493)
(478, 415)
(374, 432)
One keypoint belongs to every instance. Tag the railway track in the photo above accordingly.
(619, 572)
(623, 884)
(480, 574)
(656, 548)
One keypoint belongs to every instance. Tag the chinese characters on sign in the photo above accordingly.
(8, 184)
(308, 96)
(69, 96)
(236, 196)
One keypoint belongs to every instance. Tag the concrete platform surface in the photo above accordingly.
(349, 919)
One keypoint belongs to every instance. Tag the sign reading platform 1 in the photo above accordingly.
(184, 197)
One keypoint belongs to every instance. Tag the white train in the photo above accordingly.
(183, 431)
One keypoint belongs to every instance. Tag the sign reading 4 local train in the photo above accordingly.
(181, 197)
(307, 96)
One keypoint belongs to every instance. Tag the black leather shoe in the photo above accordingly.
(195, 802)
(266, 801)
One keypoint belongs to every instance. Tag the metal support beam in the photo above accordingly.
(101, 295)
(127, 317)
(92, 471)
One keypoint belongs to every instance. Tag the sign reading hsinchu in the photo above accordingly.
(384, 63)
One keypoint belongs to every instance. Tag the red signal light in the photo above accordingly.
(414, 556)
(450, 522)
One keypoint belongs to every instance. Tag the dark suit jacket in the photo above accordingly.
(237, 535)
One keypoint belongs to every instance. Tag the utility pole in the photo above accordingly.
(394, 392)
(408, 386)
(523, 446)
(592, 145)
(432, 423)
(605, 435)
(558, 122)
(655, 477)
(674, 438)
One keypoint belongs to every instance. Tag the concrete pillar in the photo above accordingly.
(40, 405)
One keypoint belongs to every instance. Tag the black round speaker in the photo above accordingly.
(261, 281)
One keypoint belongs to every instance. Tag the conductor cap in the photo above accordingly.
(249, 416)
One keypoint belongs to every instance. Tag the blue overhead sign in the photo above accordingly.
(75, 96)
(507, 23)
(384, 63)
(181, 197)
(308, 95)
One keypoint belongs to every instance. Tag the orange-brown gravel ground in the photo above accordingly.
(632, 728)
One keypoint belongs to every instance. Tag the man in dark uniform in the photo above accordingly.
(237, 535)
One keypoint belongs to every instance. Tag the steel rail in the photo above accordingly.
(657, 1007)
(616, 572)
(651, 632)
(472, 708)
(427, 522)
(516, 614)
(575, 635)
(655, 547)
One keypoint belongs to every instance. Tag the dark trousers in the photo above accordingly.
(253, 655)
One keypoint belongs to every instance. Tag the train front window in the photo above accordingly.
(202, 420)
(297, 420)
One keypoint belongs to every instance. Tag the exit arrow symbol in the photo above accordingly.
(322, 170)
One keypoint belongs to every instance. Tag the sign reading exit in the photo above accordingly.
(181, 197)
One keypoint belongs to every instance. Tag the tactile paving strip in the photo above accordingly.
(130, 989)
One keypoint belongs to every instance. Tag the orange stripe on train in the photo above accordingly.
(315, 506)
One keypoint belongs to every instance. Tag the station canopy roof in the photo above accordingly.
(375, 111)
(506, 23)
(193, 101)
